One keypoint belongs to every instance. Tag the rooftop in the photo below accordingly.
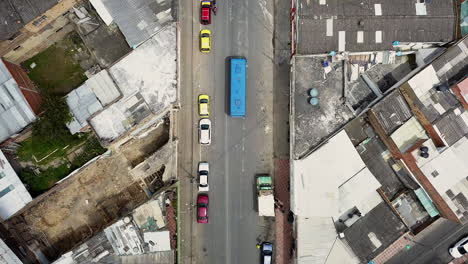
(312, 124)
(15, 112)
(371, 25)
(444, 72)
(96, 93)
(447, 170)
(146, 78)
(138, 20)
(14, 14)
(360, 79)
(373, 232)
(341, 171)
(141, 233)
(323, 247)
(14, 195)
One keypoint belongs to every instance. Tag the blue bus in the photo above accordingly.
(237, 69)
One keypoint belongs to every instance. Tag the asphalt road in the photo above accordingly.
(432, 247)
(240, 148)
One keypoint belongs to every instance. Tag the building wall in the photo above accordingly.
(13, 194)
(39, 34)
(7, 256)
(27, 87)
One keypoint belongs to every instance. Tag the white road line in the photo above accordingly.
(226, 191)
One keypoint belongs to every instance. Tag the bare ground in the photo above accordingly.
(89, 201)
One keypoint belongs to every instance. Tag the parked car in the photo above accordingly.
(205, 13)
(267, 253)
(202, 208)
(205, 131)
(205, 40)
(204, 105)
(203, 171)
(460, 248)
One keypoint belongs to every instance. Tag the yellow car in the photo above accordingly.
(205, 40)
(204, 105)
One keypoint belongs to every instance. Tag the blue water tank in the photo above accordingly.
(314, 101)
(313, 92)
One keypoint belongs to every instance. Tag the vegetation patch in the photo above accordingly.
(39, 180)
(56, 69)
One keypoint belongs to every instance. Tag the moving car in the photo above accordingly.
(267, 253)
(205, 40)
(204, 105)
(460, 248)
(205, 131)
(203, 171)
(205, 13)
(202, 208)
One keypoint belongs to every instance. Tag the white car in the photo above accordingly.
(460, 248)
(205, 131)
(203, 171)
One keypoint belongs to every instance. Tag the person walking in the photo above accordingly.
(215, 8)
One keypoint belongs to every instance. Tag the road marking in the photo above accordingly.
(226, 191)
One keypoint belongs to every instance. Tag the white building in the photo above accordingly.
(325, 186)
(13, 194)
(7, 256)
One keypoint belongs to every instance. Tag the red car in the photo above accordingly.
(206, 12)
(202, 208)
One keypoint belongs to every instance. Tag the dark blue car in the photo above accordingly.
(267, 253)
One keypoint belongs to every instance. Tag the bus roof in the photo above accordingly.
(237, 89)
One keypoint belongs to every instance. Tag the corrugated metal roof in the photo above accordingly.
(453, 126)
(103, 87)
(392, 112)
(15, 112)
(18, 196)
(426, 202)
(139, 19)
(82, 103)
(90, 98)
(408, 134)
(399, 20)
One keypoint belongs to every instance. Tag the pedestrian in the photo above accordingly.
(258, 245)
(215, 8)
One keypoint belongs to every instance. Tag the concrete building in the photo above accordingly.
(146, 79)
(13, 194)
(28, 27)
(138, 20)
(19, 100)
(319, 27)
(369, 130)
(140, 237)
(7, 256)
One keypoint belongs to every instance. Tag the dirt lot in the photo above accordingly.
(138, 149)
(88, 201)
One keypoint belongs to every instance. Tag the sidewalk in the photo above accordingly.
(282, 227)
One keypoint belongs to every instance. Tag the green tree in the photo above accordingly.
(51, 125)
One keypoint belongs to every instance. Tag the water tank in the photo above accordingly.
(314, 101)
(313, 92)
